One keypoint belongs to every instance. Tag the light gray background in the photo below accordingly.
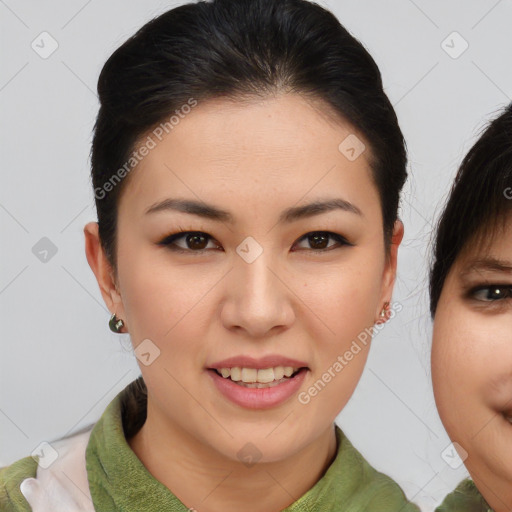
(60, 365)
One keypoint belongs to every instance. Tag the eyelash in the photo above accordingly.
(170, 239)
(489, 288)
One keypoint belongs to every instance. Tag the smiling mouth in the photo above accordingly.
(259, 378)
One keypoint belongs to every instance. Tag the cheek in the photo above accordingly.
(453, 364)
(456, 352)
(350, 308)
(345, 301)
(345, 296)
(470, 348)
(157, 295)
(471, 368)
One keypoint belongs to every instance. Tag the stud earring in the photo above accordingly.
(115, 324)
(384, 312)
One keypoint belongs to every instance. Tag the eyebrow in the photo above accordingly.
(287, 216)
(486, 265)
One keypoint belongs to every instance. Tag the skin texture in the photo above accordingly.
(254, 159)
(472, 364)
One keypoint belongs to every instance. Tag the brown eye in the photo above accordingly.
(319, 240)
(194, 241)
(197, 241)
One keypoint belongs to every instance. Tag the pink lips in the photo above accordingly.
(258, 398)
(270, 361)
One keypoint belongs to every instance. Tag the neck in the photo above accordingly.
(206, 481)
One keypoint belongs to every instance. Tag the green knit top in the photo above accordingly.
(465, 498)
(118, 481)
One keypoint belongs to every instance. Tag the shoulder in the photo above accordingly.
(54, 480)
(465, 498)
(371, 489)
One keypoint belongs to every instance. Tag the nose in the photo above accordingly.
(259, 300)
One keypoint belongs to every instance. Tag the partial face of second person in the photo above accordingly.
(200, 301)
(472, 363)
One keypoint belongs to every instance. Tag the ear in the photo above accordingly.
(102, 270)
(389, 274)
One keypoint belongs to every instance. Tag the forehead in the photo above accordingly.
(283, 147)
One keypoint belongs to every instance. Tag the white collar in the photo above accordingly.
(63, 486)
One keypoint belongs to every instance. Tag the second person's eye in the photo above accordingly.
(492, 293)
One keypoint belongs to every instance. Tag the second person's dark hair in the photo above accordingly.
(479, 201)
(239, 49)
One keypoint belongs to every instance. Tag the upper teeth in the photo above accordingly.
(254, 375)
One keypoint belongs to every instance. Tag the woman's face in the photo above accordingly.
(472, 364)
(249, 286)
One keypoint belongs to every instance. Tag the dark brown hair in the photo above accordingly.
(479, 201)
(238, 49)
